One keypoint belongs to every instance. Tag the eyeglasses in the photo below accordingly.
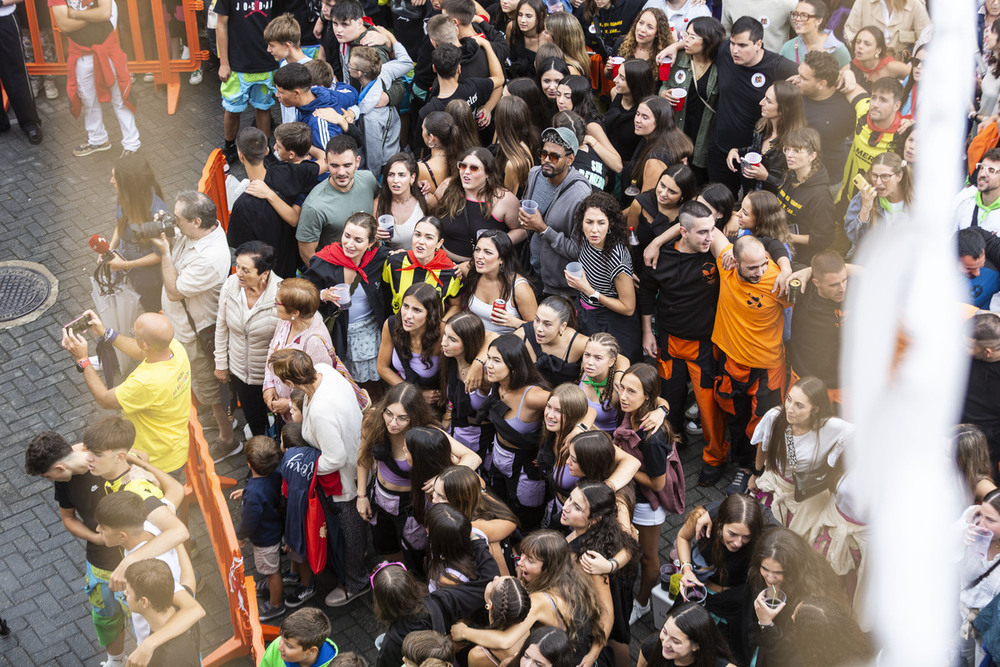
(788, 150)
(551, 157)
(399, 419)
(471, 168)
(693, 36)
(278, 303)
(800, 16)
(881, 177)
(381, 566)
(992, 171)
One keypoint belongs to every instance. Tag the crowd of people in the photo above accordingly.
(491, 268)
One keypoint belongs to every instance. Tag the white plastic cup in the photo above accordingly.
(343, 292)
(529, 206)
(983, 537)
(388, 224)
(575, 269)
(774, 597)
(696, 593)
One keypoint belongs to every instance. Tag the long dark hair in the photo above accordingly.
(465, 132)
(554, 450)
(554, 645)
(449, 544)
(469, 328)
(514, 34)
(736, 508)
(805, 571)
(712, 34)
(441, 125)
(514, 354)
(383, 204)
(816, 393)
(685, 179)
(696, 623)
(509, 603)
(430, 300)
(373, 431)
(464, 490)
(396, 594)
(617, 227)
(454, 200)
(667, 137)
(639, 79)
(650, 381)
(430, 451)
(826, 634)
(514, 137)
(606, 536)
(509, 266)
(582, 96)
(526, 88)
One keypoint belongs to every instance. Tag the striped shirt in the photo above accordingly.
(399, 281)
(601, 271)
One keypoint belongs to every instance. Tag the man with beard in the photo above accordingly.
(979, 205)
(558, 189)
(817, 323)
(749, 322)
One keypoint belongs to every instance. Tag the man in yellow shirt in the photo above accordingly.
(155, 397)
(749, 322)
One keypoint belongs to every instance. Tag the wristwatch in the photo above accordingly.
(596, 296)
(82, 364)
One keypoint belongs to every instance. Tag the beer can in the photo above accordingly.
(794, 290)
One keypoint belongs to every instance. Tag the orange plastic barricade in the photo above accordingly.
(213, 184)
(164, 70)
(248, 633)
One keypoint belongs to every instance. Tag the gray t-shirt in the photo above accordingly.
(326, 209)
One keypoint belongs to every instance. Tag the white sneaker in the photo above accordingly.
(51, 92)
(36, 86)
(148, 77)
(692, 428)
(638, 611)
(185, 53)
(692, 413)
(196, 77)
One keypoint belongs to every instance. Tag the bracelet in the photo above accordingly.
(128, 266)
(683, 565)
(110, 335)
(480, 361)
(363, 495)
(666, 410)
(614, 565)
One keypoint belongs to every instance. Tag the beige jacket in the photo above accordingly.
(905, 27)
(241, 337)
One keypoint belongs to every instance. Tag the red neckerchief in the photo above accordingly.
(439, 262)
(874, 70)
(892, 129)
(334, 253)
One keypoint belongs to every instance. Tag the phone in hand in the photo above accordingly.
(860, 181)
(79, 325)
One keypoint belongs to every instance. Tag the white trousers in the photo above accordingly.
(93, 118)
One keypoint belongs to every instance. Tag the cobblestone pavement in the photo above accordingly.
(50, 204)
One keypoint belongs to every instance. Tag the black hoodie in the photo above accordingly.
(810, 206)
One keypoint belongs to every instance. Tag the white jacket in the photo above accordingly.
(963, 205)
(242, 338)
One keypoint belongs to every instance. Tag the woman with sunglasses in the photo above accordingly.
(405, 605)
(384, 498)
(410, 350)
(804, 193)
(494, 278)
(474, 199)
(694, 71)
(514, 408)
(561, 597)
(883, 202)
(808, 18)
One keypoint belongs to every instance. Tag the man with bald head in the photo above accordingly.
(749, 322)
(156, 396)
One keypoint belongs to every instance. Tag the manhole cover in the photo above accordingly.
(22, 290)
(26, 290)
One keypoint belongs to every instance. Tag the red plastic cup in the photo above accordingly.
(665, 70)
(616, 64)
(680, 95)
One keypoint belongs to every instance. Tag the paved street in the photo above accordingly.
(50, 204)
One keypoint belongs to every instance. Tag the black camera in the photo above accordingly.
(150, 230)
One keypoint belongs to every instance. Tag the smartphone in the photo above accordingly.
(860, 181)
(79, 325)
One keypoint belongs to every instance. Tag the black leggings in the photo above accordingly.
(252, 402)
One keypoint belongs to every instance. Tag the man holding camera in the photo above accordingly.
(155, 397)
(193, 273)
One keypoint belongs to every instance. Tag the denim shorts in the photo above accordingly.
(257, 89)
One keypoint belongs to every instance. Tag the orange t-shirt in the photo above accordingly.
(750, 319)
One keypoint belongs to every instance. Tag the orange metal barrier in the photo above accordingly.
(213, 184)
(165, 70)
(248, 633)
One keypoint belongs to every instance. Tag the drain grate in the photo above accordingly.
(22, 290)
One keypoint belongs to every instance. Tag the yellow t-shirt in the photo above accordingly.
(750, 319)
(156, 398)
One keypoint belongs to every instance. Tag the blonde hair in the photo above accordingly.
(568, 35)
